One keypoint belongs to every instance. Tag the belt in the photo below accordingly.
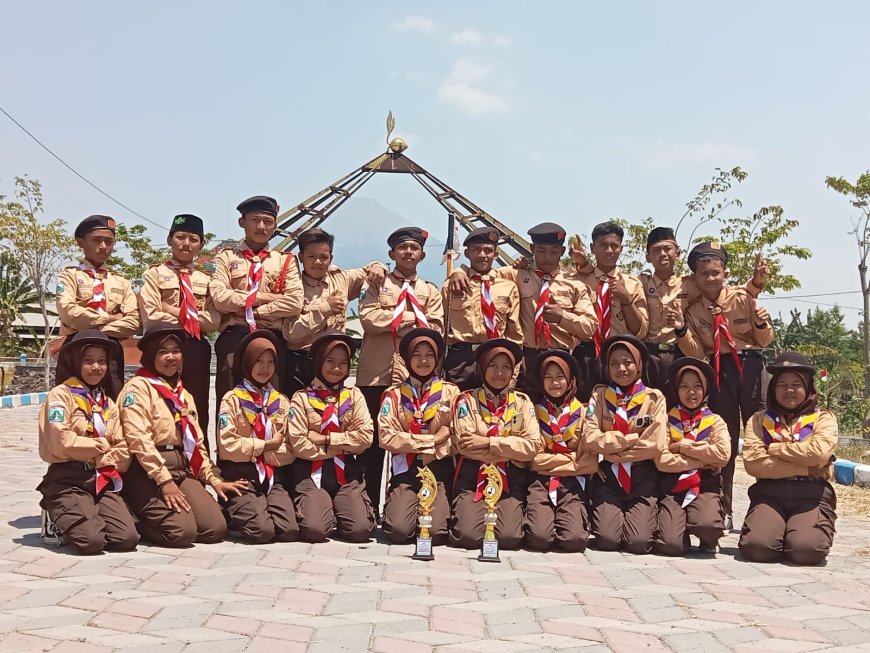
(743, 353)
(660, 347)
(169, 447)
(464, 346)
(804, 479)
(75, 464)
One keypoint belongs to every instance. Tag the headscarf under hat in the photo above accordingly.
(492, 348)
(675, 375)
(69, 360)
(244, 356)
(633, 345)
(565, 362)
(321, 348)
(792, 361)
(150, 343)
(413, 338)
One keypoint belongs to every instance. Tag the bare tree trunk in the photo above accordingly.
(865, 292)
(46, 355)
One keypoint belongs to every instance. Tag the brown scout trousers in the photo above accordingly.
(703, 517)
(467, 527)
(161, 524)
(300, 371)
(260, 516)
(563, 527)
(460, 367)
(620, 520)
(590, 370)
(331, 509)
(789, 519)
(196, 378)
(659, 363)
(402, 507)
(372, 459)
(736, 400)
(89, 522)
(224, 349)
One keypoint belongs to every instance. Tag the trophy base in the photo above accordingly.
(489, 551)
(423, 550)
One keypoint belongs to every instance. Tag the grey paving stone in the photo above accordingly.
(695, 643)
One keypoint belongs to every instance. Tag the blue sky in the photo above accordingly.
(572, 112)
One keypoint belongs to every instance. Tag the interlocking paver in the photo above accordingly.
(337, 597)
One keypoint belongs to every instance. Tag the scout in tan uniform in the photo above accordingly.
(626, 423)
(90, 296)
(789, 449)
(698, 447)
(328, 429)
(81, 439)
(164, 486)
(252, 429)
(327, 291)
(726, 326)
(254, 288)
(664, 290)
(387, 313)
(493, 424)
(490, 309)
(618, 299)
(414, 424)
(174, 294)
(555, 311)
(556, 515)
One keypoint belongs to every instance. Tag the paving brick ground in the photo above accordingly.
(332, 597)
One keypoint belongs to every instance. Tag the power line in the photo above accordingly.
(822, 294)
(77, 173)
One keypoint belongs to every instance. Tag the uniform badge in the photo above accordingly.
(56, 414)
(129, 399)
(651, 290)
(234, 265)
(385, 409)
(60, 287)
(462, 409)
(362, 294)
(223, 420)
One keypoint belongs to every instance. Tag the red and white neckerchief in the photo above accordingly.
(255, 278)
(177, 404)
(624, 405)
(98, 301)
(95, 405)
(188, 315)
(542, 327)
(499, 420)
(487, 307)
(330, 405)
(602, 312)
(720, 328)
(406, 296)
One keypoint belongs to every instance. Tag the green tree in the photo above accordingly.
(18, 297)
(135, 252)
(41, 248)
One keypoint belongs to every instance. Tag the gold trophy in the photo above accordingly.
(491, 495)
(426, 497)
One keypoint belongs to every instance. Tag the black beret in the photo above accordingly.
(707, 248)
(659, 234)
(547, 233)
(791, 361)
(259, 203)
(94, 222)
(187, 223)
(482, 235)
(407, 233)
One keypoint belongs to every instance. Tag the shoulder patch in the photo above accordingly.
(60, 287)
(56, 414)
(223, 420)
(129, 400)
(386, 407)
(362, 294)
(462, 408)
(291, 413)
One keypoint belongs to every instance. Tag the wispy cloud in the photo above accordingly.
(469, 87)
(660, 155)
(471, 36)
(422, 24)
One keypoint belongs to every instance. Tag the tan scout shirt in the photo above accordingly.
(379, 362)
(812, 457)
(63, 433)
(712, 452)
(578, 321)
(237, 442)
(679, 292)
(520, 447)
(148, 424)
(614, 445)
(465, 314)
(581, 461)
(229, 287)
(393, 433)
(317, 316)
(738, 306)
(162, 285)
(618, 327)
(76, 288)
(356, 435)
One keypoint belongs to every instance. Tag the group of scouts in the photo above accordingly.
(610, 405)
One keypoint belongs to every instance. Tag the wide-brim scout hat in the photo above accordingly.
(687, 362)
(332, 336)
(89, 337)
(157, 335)
(422, 333)
(238, 358)
(625, 339)
(561, 354)
(502, 345)
(791, 361)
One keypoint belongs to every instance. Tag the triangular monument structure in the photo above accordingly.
(460, 210)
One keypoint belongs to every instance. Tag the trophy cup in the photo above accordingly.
(426, 497)
(491, 495)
